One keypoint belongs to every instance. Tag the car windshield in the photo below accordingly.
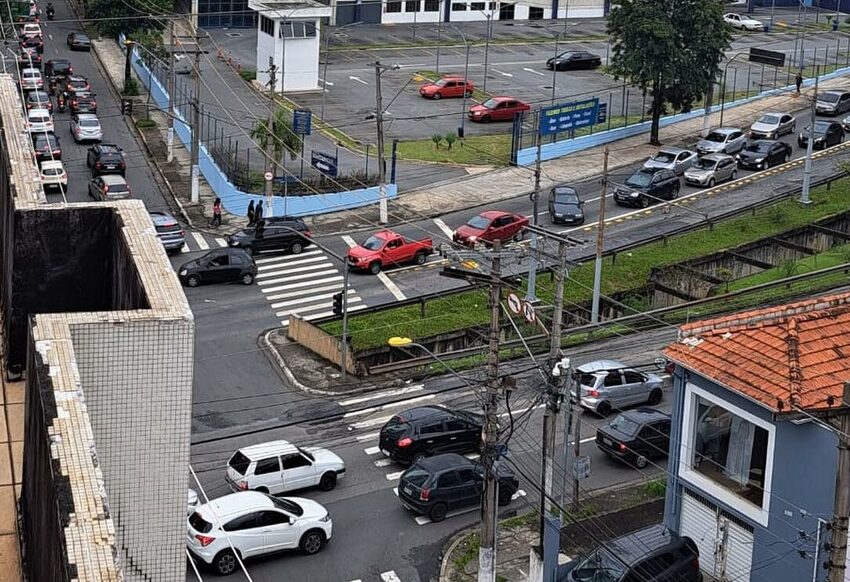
(759, 146)
(769, 119)
(821, 126)
(287, 505)
(199, 523)
(828, 97)
(639, 179)
(417, 476)
(663, 157)
(89, 123)
(625, 425)
(716, 137)
(566, 197)
(307, 454)
(239, 462)
(566, 55)
(601, 566)
(441, 83)
(703, 164)
(490, 104)
(478, 222)
(373, 243)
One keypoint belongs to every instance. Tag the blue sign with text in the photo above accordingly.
(326, 163)
(568, 116)
(302, 121)
(602, 115)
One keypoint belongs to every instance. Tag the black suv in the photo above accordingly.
(106, 158)
(421, 432)
(273, 234)
(635, 436)
(82, 102)
(436, 485)
(652, 554)
(648, 186)
(58, 68)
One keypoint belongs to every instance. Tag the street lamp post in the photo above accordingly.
(487, 47)
(406, 342)
(325, 64)
(723, 88)
(465, 78)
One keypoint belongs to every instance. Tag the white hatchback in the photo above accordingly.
(31, 79)
(39, 121)
(255, 524)
(53, 175)
(279, 466)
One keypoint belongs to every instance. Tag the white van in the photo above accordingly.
(279, 466)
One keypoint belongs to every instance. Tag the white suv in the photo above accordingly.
(39, 121)
(255, 524)
(279, 466)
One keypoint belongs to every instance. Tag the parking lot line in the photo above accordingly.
(390, 576)
(382, 394)
(444, 227)
(372, 450)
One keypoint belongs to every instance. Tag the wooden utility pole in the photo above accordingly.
(270, 139)
(535, 218)
(382, 166)
(841, 506)
(600, 241)
(170, 139)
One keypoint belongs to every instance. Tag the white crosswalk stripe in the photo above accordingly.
(201, 241)
(390, 576)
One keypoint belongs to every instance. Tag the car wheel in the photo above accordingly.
(249, 249)
(711, 183)
(640, 461)
(374, 267)
(193, 281)
(604, 409)
(328, 481)
(469, 94)
(225, 563)
(643, 202)
(486, 119)
(793, 128)
(505, 496)
(734, 174)
(312, 542)
(787, 157)
(765, 165)
(262, 490)
(518, 236)
(655, 396)
(675, 193)
(437, 96)
(418, 457)
(437, 512)
(247, 278)
(421, 258)
(296, 248)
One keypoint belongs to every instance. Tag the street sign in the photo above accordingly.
(327, 164)
(302, 121)
(568, 116)
(602, 114)
(528, 311)
(773, 58)
(581, 468)
(514, 303)
(268, 176)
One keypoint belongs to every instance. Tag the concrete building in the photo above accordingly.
(409, 11)
(289, 36)
(96, 320)
(752, 461)
(219, 13)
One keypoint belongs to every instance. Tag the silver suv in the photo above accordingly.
(607, 385)
(169, 231)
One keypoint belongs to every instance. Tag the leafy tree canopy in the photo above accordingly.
(112, 17)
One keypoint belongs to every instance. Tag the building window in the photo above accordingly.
(535, 13)
(297, 29)
(267, 25)
(493, 5)
(393, 6)
(458, 7)
(412, 6)
(432, 5)
(477, 5)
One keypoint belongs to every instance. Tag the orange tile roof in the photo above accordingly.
(786, 357)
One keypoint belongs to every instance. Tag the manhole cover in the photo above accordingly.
(234, 34)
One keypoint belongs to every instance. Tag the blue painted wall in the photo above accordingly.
(804, 464)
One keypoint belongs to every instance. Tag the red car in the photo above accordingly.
(447, 87)
(388, 248)
(489, 226)
(497, 109)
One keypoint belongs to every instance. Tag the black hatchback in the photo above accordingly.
(636, 436)
(273, 234)
(565, 207)
(437, 485)
(827, 134)
(429, 430)
(764, 153)
(219, 266)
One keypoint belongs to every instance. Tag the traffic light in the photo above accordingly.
(126, 107)
(337, 303)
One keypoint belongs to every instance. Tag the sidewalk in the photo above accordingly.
(11, 456)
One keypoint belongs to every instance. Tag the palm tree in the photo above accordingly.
(284, 139)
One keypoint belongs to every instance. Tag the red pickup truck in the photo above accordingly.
(386, 248)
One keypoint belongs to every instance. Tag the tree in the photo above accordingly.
(284, 139)
(111, 17)
(671, 49)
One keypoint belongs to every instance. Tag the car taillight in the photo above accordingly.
(594, 393)
(243, 485)
(622, 447)
(695, 563)
(97, 164)
(424, 494)
(308, 233)
(205, 540)
(123, 165)
(405, 442)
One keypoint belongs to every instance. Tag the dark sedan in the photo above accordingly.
(572, 60)
(565, 207)
(82, 102)
(38, 100)
(79, 41)
(58, 68)
(636, 436)
(46, 146)
(827, 134)
(219, 266)
(764, 153)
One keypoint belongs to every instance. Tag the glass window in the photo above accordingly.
(393, 6)
(729, 450)
(412, 6)
(458, 7)
(417, 476)
(267, 25)
(432, 428)
(456, 425)
(273, 518)
(247, 521)
(199, 523)
(613, 379)
(287, 505)
(479, 222)
(601, 566)
(266, 466)
(432, 5)
(449, 479)
(477, 6)
(633, 377)
(239, 462)
(588, 380)
(294, 461)
(466, 475)
(625, 425)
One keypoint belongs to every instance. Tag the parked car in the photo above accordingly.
(447, 87)
(763, 154)
(827, 134)
(79, 41)
(53, 176)
(86, 127)
(428, 430)
(23, 18)
(386, 248)
(182, 65)
(565, 207)
(652, 554)
(489, 226)
(636, 436)
(38, 100)
(773, 125)
(724, 140)
(671, 158)
(279, 466)
(77, 84)
(832, 103)
(191, 502)
(39, 121)
(31, 79)
(46, 146)
(254, 524)
(29, 57)
(437, 485)
(109, 187)
(58, 68)
(501, 108)
(273, 234)
(648, 186)
(607, 385)
(32, 43)
(711, 169)
(571, 60)
(170, 233)
(217, 266)
(106, 158)
(742, 21)
(845, 123)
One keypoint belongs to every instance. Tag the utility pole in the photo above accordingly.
(487, 48)
(196, 113)
(270, 139)
(841, 509)
(807, 172)
(535, 217)
(170, 139)
(576, 411)
(600, 242)
(489, 500)
(379, 120)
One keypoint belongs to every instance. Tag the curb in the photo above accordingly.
(448, 551)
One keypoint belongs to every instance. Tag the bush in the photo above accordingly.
(146, 123)
(132, 88)
(248, 74)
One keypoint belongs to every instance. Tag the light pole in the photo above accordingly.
(460, 132)
(723, 89)
(487, 47)
(325, 64)
(807, 172)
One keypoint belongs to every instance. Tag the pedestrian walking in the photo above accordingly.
(250, 213)
(258, 212)
(216, 217)
(798, 80)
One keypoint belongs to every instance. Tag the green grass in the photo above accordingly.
(834, 256)
(475, 150)
(630, 271)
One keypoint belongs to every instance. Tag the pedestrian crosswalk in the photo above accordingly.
(200, 241)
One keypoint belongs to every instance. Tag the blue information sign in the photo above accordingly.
(326, 163)
(568, 116)
(602, 115)
(302, 121)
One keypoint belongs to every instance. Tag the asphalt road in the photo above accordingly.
(368, 519)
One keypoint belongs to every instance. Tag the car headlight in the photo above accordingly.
(476, 113)
(758, 160)
(559, 215)
(325, 518)
(819, 139)
(579, 214)
(633, 194)
(472, 239)
(183, 272)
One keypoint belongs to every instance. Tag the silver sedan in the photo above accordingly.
(712, 169)
(670, 158)
(86, 127)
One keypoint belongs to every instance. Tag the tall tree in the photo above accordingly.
(671, 49)
(112, 17)
(283, 136)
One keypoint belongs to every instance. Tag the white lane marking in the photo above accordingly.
(370, 423)
(185, 249)
(372, 450)
(300, 285)
(383, 462)
(349, 241)
(287, 257)
(390, 577)
(296, 310)
(372, 409)
(313, 316)
(50, 35)
(326, 270)
(382, 277)
(221, 242)
(394, 476)
(533, 71)
(501, 72)
(328, 83)
(286, 270)
(271, 266)
(382, 394)
(444, 227)
(310, 299)
(368, 437)
(307, 291)
(588, 439)
(521, 410)
(358, 79)
(422, 520)
(202, 244)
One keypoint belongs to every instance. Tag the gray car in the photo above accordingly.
(832, 103)
(711, 169)
(607, 385)
(772, 125)
(86, 127)
(169, 231)
(670, 158)
(724, 140)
